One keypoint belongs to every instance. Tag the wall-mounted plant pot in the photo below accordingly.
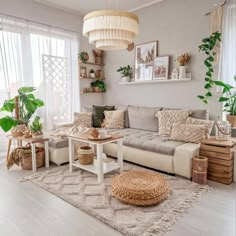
(126, 79)
(232, 120)
(96, 89)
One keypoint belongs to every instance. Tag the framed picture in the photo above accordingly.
(145, 55)
(161, 67)
(83, 72)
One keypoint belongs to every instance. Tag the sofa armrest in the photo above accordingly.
(63, 125)
(182, 159)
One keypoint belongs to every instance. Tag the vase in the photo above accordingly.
(182, 72)
(125, 79)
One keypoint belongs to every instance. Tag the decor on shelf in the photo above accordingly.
(83, 57)
(111, 29)
(25, 105)
(200, 165)
(83, 72)
(161, 67)
(36, 128)
(98, 86)
(183, 60)
(92, 73)
(99, 74)
(86, 155)
(208, 46)
(223, 130)
(145, 55)
(98, 56)
(126, 73)
(175, 74)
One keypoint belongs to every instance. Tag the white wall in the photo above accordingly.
(179, 26)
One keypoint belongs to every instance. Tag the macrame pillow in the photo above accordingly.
(169, 117)
(114, 119)
(82, 119)
(188, 133)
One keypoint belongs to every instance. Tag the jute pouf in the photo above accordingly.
(140, 188)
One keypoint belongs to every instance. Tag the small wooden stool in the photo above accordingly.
(200, 165)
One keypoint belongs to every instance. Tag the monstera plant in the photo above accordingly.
(25, 103)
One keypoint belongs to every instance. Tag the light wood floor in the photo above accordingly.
(28, 210)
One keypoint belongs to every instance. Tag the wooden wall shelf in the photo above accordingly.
(91, 92)
(91, 78)
(92, 63)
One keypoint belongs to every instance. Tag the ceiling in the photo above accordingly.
(82, 7)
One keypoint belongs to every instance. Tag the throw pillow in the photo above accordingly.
(82, 119)
(208, 123)
(188, 133)
(98, 114)
(169, 117)
(114, 119)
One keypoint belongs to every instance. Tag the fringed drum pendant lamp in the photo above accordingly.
(111, 29)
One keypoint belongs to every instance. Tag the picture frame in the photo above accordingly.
(83, 72)
(161, 68)
(145, 55)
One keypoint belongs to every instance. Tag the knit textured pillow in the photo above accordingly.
(169, 117)
(188, 133)
(208, 123)
(82, 119)
(114, 119)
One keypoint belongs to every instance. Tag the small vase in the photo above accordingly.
(37, 135)
(125, 79)
(182, 72)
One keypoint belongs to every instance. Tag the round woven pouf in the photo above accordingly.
(140, 188)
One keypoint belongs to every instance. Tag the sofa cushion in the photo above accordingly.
(169, 117)
(114, 119)
(98, 114)
(208, 123)
(143, 118)
(82, 119)
(147, 140)
(125, 109)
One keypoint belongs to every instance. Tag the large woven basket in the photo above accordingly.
(86, 155)
(26, 158)
(140, 188)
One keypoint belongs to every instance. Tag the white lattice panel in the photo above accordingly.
(55, 75)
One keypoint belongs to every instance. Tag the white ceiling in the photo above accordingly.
(82, 7)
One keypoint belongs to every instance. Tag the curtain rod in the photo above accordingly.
(37, 22)
(208, 13)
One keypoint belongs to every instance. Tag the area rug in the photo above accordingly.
(80, 188)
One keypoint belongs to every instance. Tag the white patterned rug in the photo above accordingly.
(80, 188)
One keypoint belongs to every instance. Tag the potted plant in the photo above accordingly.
(25, 105)
(36, 128)
(98, 86)
(92, 73)
(126, 73)
(83, 57)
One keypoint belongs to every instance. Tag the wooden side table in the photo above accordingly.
(32, 142)
(220, 156)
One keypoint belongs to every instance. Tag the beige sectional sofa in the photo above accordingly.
(143, 145)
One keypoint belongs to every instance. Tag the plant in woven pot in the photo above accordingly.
(98, 86)
(126, 73)
(24, 105)
(36, 128)
(83, 57)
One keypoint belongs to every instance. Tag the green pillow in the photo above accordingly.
(98, 114)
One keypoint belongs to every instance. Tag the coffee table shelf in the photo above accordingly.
(93, 168)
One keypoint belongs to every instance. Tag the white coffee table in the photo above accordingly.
(99, 168)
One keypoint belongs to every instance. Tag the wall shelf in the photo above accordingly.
(155, 81)
(91, 78)
(92, 63)
(91, 92)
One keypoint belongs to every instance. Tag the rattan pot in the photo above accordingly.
(18, 130)
(86, 155)
(232, 120)
(26, 158)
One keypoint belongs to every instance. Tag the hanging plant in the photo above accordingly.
(208, 47)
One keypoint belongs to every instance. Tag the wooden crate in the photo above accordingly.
(220, 159)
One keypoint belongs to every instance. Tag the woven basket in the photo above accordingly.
(18, 130)
(140, 188)
(86, 155)
(26, 158)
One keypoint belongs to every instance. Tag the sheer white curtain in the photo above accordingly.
(227, 68)
(36, 55)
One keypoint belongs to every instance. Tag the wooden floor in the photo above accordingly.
(28, 210)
